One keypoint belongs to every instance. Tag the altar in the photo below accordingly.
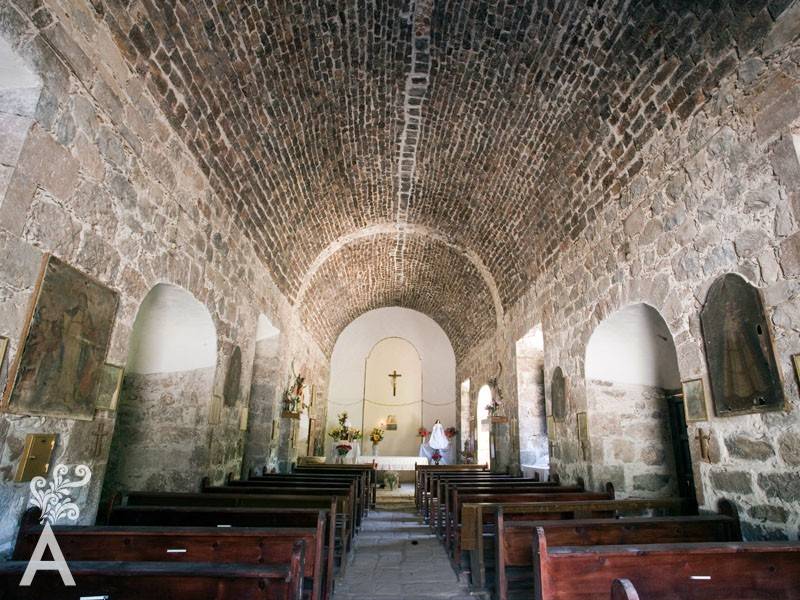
(393, 463)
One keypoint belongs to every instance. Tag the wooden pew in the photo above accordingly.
(326, 501)
(224, 517)
(346, 509)
(421, 473)
(184, 544)
(512, 542)
(476, 522)
(713, 570)
(172, 581)
(443, 516)
(623, 589)
(430, 496)
(371, 472)
(453, 536)
(361, 481)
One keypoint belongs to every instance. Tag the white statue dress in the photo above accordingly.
(438, 439)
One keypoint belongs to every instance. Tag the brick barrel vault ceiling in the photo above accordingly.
(359, 277)
(533, 114)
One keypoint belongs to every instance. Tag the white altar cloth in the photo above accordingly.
(393, 463)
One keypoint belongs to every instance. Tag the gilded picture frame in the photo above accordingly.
(63, 345)
(694, 400)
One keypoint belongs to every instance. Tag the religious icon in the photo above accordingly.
(795, 362)
(244, 413)
(63, 346)
(394, 375)
(391, 423)
(694, 401)
(233, 378)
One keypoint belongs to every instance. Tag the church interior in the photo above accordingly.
(422, 299)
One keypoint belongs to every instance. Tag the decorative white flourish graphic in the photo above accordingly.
(54, 498)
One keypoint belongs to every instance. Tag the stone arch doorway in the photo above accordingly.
(636, 422)
(484, 425)
(161, 435)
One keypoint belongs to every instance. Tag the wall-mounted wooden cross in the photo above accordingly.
(394, 375)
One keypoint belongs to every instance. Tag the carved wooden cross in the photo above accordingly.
(394, 375)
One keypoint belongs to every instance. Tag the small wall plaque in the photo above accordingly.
(36, 456)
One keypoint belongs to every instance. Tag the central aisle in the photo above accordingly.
(387, 565)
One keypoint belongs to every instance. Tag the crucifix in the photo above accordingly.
(394, 375)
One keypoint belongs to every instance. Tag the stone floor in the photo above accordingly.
(388, 565)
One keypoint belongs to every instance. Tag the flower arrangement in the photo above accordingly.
(451, 432)
(497, 394)
(436, 456)
(391, 479)
(343, 448)
(376, 437)
(423, 433)
(343, 431)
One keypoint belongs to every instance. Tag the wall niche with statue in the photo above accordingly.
(742, 368)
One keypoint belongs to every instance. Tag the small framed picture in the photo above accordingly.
(795, 362)
(215, 413)
(109, 387)
(3, 365)
(694, 400)
(583, 427)
(551, 426)
(244, 412)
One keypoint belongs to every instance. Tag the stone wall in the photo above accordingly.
(531, 405)
(102, 181)
(162, 436)
(265, 391)
(716, 192)
(630, 442)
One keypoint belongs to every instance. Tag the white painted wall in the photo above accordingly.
(349, 357)
(13, 71)
(633, 346)
(173, 332)
(387, 356)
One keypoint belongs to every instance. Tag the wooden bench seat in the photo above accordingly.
(184, 544)
(508, 554)
(370, 471)
(223, 517)
(170, 581)
(709, 570)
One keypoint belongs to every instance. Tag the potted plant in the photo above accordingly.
(345, 434)
(376, 437)
(342, 450)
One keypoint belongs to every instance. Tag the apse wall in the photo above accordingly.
(348, 362)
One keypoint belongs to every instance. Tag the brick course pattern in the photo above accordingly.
(504, 125)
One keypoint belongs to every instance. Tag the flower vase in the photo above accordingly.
(374, 449)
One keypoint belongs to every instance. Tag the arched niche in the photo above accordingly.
(484, 425)
(742, 369)
(635, 414)
(263, 425)
(160, 439)
(465, 413)
(393, 389)
(531, 411)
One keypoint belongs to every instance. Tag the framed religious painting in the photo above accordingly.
(64, 343)
(694, 400)
(796, 365)
(215, 410)
(109, 388)
(4, 343)
(233, 378)
(558, 395)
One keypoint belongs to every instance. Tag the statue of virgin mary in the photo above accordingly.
(438, 439)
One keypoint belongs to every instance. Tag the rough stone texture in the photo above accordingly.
(103, 181)
(736, 482)
(162, 436)
(712, 179)
(628, 428)
(740, 446)
(530, 388)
